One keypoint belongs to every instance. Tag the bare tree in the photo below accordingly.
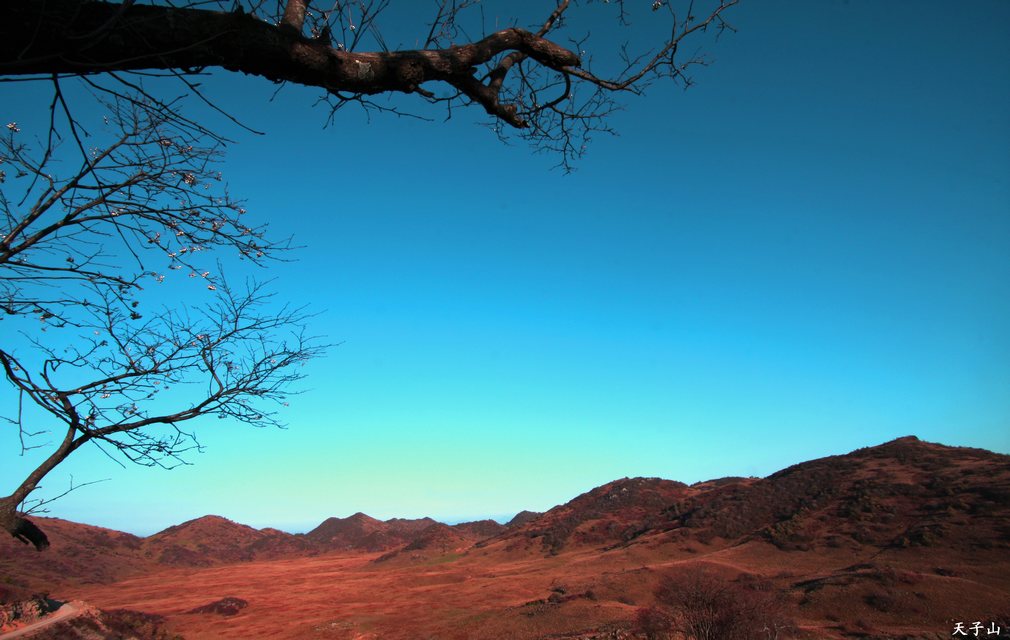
(74, 259)
(79, 250)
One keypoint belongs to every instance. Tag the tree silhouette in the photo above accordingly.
(79, 248)
(75, 258)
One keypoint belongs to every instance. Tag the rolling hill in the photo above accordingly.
(897, 540)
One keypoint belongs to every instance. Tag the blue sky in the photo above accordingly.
(805, 253)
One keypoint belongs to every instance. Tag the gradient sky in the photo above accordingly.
(806, 253)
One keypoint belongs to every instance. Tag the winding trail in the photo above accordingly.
(67, 611)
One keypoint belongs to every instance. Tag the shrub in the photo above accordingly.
(653, 624)
(703, 607)
(883, 602)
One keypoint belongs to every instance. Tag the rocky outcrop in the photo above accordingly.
(21, 612)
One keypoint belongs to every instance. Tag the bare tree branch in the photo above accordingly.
(507, 72)
(125, 381)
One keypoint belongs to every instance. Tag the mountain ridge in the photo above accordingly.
(904, 492)
(894, 540)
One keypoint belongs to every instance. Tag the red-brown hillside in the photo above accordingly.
(78, 553)
(275, 543)
(480, 529)
(361, 532)
(358, 531)
(902, 493)
(203, 542)
(407, 526)
(522, 518)
(440, 538)
(613, 513)
(893, 541)
(212, 540)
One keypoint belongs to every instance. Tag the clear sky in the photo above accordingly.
(806, 253)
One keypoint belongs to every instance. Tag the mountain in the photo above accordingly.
(214, 540)
(275, 543)
(203, 542)
(78, 554)
(84, 554)
(894, 540)
(899, 494)
(441, 538)
(902, 493)
(360, 532)
(522, 518)
(480, 529)
(615, 512)
(407, 527)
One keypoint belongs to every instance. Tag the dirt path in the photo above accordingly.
(67, 611)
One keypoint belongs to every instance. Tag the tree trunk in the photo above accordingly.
(10, 518)
(19, 526)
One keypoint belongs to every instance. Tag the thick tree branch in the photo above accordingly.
(546, 93)
(91, 37)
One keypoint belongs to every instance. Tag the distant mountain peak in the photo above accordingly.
(207, 523)
(362, 516)
(523, 517)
